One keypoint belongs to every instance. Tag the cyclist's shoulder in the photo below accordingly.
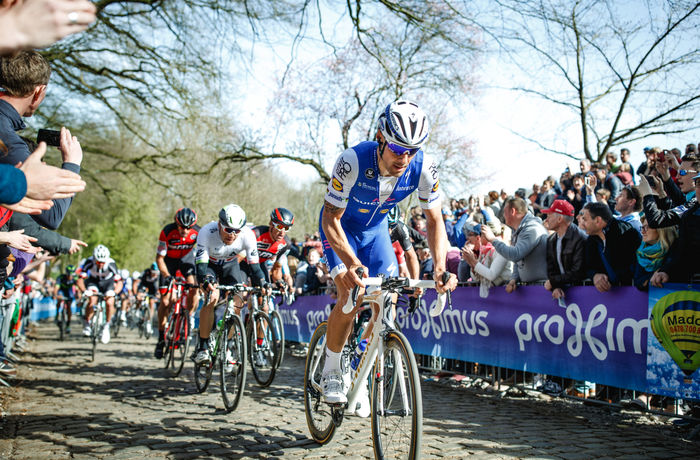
(169, 228)
(261, 231)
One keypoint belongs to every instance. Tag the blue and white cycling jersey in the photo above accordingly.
(367, 197)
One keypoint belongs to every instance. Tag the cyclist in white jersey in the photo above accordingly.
(99, 273)
(216, 262)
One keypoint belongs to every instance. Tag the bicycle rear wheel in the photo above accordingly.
(232, 357)
(202, 375)
(319, 416)
(262, 356)
(180, 344)
(278, 327)
(397, 405)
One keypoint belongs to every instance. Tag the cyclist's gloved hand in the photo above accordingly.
(209, 282)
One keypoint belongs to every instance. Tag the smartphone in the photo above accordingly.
(50, 136)
(660, 156)
(587, 180)
(651, 180)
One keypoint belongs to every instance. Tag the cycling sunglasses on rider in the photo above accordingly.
(683, 172)
(281, 226)
(401, 150)
(230, 230)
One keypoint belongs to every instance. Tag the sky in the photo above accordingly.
(504, 159)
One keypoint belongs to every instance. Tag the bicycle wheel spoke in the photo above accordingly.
(319, 417)
(232, 363)
(261, 343)
(397, 409)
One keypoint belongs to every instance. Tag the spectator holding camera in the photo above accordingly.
(581, 188)
(565, 248)
(610, 249)
(24, 78)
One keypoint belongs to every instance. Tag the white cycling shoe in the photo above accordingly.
(105, 335)
(333, 388)
(87, 330)
(202, 357)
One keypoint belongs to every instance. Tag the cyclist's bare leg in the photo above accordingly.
(206, 315)
(192, 296)
(110, 307)
(66, 305)
(238, 304)
(339, 323)
(152, 306)
(90, 309)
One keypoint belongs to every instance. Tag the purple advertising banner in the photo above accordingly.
(600, 337)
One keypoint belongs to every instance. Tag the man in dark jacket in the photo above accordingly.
(683, 262)
(565, 248)
(610, 248)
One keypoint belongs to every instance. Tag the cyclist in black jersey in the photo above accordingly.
(65, 291)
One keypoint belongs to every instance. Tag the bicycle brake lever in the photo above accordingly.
(352, 300)
(445, 279)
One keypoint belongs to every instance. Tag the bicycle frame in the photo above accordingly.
(383, 323)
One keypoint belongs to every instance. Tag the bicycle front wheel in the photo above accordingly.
(168, 342)
(263, 354)
(278, 327)
(232, 358)
(319, 417)
(180, 345)
(96, 324)
(397, 404)
(62, 319)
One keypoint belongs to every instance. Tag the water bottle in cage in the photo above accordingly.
(357, 354)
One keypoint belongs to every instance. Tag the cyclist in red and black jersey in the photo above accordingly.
(175, 254)
(274, 244)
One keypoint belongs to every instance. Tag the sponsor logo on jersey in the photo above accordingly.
(434, 171)
(384, 211)
(370, 174)
(435, 186)
(404, 188)
(334, 196)
(366, 186)
(337, 186)
(374, 202)
(342, 169)
(363, 210)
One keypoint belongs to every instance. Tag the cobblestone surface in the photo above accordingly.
(124, 406)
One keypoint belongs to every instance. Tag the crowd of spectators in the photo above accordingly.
(609, 225)
(34, 197)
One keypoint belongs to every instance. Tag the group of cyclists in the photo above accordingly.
(360, 230)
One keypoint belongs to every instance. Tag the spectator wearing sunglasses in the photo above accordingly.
(216, 259)
(174, 253)
(683, 263)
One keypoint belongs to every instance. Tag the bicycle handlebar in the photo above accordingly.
(397, 283)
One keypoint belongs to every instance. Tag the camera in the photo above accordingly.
(50, 136)
(661, 156)
(587, 180)
(651, 180)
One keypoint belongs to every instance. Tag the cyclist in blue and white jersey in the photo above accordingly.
(216, 262)
(368, 180)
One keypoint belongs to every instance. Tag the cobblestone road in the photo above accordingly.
(123, 406)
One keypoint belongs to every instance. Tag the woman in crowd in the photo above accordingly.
(489, 268)
(652, 253)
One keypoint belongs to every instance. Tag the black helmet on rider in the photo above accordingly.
(185, 217)
(282, 216)
(394, 215)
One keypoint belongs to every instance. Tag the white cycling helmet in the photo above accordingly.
(135, 275)
(232, 216)
(405, 124)
(101, 253)
(124, 273)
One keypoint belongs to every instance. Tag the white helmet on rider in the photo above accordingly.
(135, 275)
(232, 216)
(404, 124)
(124, 273)
(101, 253)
